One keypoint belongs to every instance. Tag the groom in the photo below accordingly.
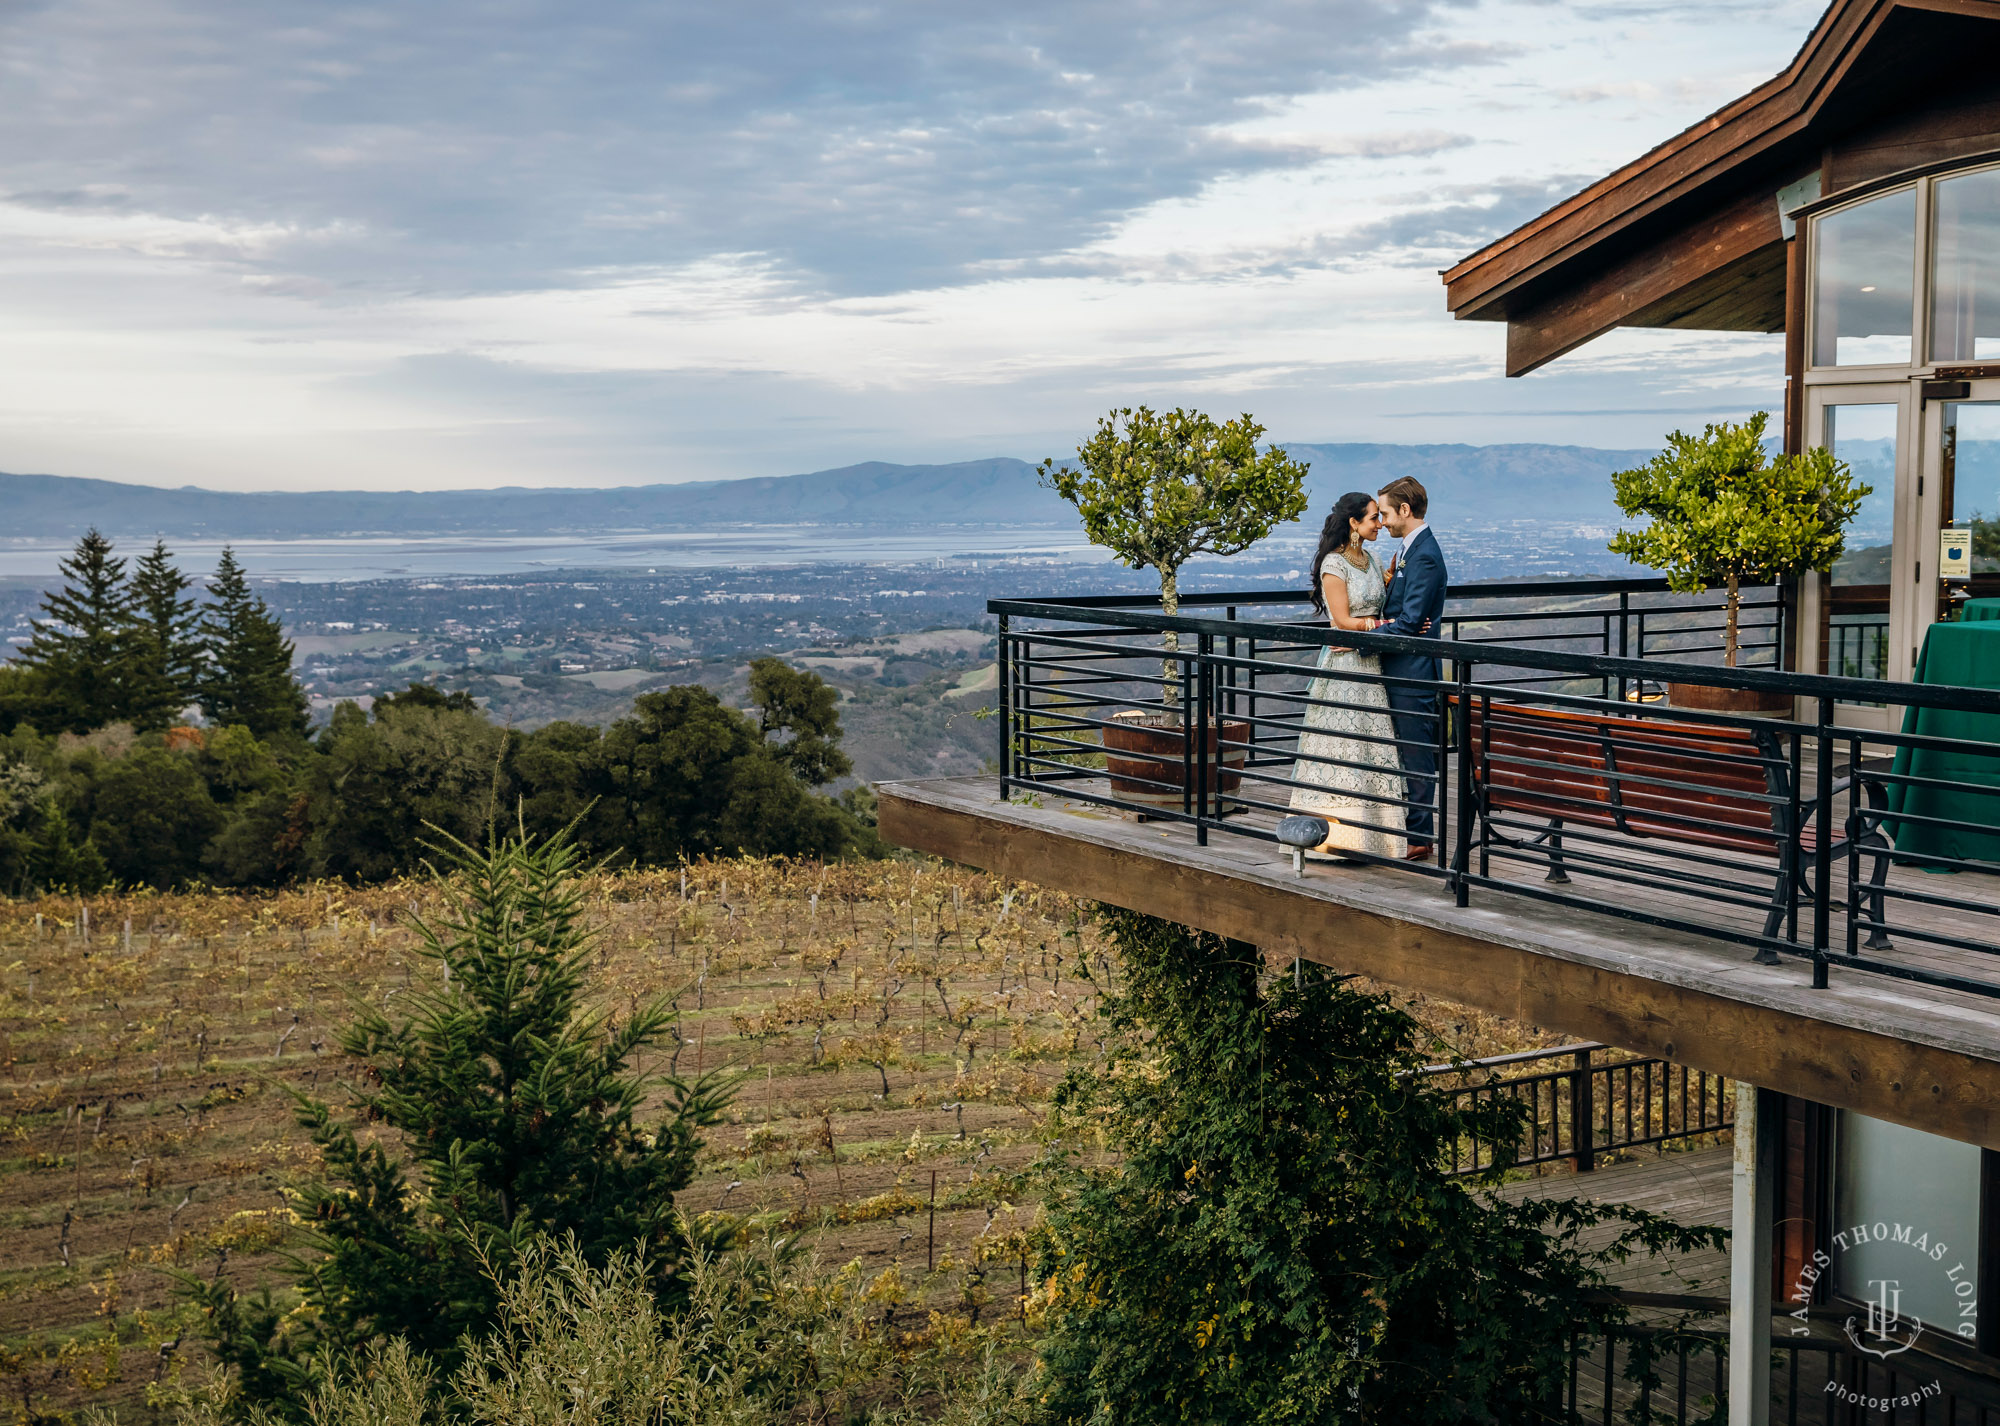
(1413, 607)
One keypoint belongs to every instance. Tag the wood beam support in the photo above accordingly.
(1647, 288)
(1783, 1046)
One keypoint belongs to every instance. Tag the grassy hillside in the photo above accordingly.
(893, 1022)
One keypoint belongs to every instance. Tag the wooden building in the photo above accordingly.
(1853, 204)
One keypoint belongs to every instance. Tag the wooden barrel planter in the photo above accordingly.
(1706, 698)
(1147, 759)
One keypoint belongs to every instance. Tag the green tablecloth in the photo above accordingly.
(1979, 611)
(1968, 655)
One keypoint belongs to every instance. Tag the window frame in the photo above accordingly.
(1923, 277)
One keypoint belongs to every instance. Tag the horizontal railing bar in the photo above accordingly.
(1757, 596)
(1573, 834)
(1655, 878)
(1929, 938)
(1608, 908)
(1798, 684)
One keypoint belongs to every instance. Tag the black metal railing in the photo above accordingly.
(1585, 1101)
(1677, 1375)
(1858, 647)
(1565, 775)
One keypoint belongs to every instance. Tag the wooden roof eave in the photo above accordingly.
(1748, 129)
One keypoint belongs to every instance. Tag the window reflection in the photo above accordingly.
(1970, 469)
(1858, 617)
(1965, 301)
(1864, 297)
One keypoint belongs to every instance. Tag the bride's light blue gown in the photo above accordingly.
(1341, 794)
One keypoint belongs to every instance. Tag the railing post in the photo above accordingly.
(1229, 674)
(1582, 1114)
(1006, 708)
(1823, 827)
(1204, 679)
(1461, 856)
(1624, 622)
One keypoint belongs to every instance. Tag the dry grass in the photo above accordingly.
(896, 1024)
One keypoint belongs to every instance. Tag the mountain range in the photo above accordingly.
(1469, 485)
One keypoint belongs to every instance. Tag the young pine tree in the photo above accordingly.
(166, 664)
(515, 1114)
(1279, 1237)
(249, 676)
(82, 651)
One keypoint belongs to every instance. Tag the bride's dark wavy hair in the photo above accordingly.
(1335, 534)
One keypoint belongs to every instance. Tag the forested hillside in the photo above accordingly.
(103, 780)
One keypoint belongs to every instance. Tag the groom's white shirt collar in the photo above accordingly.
(1410, 536)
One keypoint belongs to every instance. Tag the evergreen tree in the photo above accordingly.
(518, 1111)
(165, 668)
(804, 709)
(1279, 1236)
(249, 678)
(83, 647)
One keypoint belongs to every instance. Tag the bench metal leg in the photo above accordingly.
(1790, 874)
(1877, 846)
(1555, 837)
(1299, 860)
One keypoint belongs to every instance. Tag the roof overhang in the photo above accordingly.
(1691, 234)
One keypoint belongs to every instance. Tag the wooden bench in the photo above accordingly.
(1725, 789)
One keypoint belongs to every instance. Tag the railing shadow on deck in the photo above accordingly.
(1567, 776)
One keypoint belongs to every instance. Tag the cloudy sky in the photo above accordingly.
(269, 244)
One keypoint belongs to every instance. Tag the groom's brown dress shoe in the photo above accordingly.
(1417, 854)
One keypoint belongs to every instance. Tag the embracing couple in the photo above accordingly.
(1368, 751)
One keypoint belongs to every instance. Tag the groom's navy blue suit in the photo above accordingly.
(1416, 597)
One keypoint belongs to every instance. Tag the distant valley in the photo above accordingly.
(1471, 486)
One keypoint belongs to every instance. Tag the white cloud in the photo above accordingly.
(833, 244)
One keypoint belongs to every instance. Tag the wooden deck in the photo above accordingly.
(1690, 1187)
(1914, 1054)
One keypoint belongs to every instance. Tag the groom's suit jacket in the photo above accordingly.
(1415, 595)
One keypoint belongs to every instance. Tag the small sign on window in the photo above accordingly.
(1955, 554)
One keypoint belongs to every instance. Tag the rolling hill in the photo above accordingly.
(1468, 484)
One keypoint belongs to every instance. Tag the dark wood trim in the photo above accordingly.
(1627, 293)
(1902, 177)
(1805, 1201)
(1794, 1051)
(1760, 142)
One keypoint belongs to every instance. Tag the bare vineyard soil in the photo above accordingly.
(894, 1024)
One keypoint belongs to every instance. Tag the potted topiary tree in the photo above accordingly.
(1722, 511)
(1157, 489)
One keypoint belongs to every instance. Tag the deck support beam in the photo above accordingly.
(1752, 1222)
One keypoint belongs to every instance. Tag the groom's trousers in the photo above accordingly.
(1414, 714)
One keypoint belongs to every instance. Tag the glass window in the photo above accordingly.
(1965, 300)
(1865, 274)
(1971, 473)
(1858, 621)
(1919, 1182)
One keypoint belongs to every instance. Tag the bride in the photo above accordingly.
(1347, 749)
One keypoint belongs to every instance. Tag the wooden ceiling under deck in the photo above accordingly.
(1910, 1054)
(1688, 236)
